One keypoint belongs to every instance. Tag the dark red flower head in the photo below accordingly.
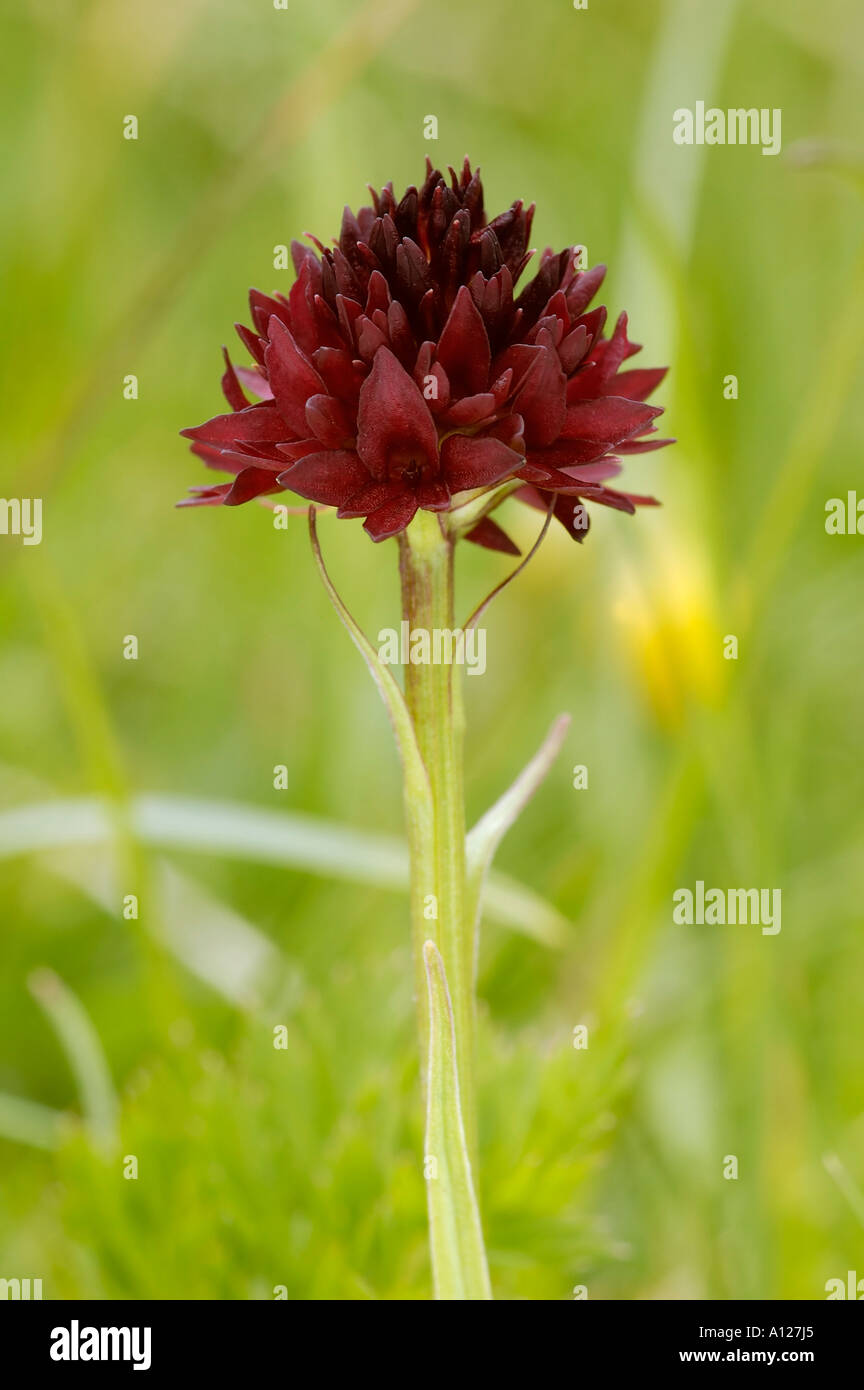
(401, 371)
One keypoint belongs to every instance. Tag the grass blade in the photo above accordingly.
(27, 1122)
(84, 1052)
(286, 839)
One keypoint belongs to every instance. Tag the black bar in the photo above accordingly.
(232, 1338)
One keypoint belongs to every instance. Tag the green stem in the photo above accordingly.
(428, 723)
(433, 696)
(438, 889)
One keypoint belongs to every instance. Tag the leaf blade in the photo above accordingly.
(485, 836)
(458, 1254)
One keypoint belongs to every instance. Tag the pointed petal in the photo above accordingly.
(224, 460)
(607, 420)
(231, 388)
(489, 534)
(255, 381)
(470, 410)
(584, 288)
(392, 517)
(254, 345)
(573, 348)
(330, 477)
(252, 482)
(434, 496)
(329, 421)
(573, 516)
(469, 463)
(262, 307)
(292, 377)
(593, 323)
(342, 376)
(393, 423)
(463, 348)
(369, 498)
(256, 424)
(642, 446)
(206, 496)
(639, 383)
(301, 298)
(591, 473)
(623, 501)
(298, 449)
(541, 400)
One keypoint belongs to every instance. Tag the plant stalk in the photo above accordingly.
(439, 907)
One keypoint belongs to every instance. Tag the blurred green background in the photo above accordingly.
(301, 1167)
